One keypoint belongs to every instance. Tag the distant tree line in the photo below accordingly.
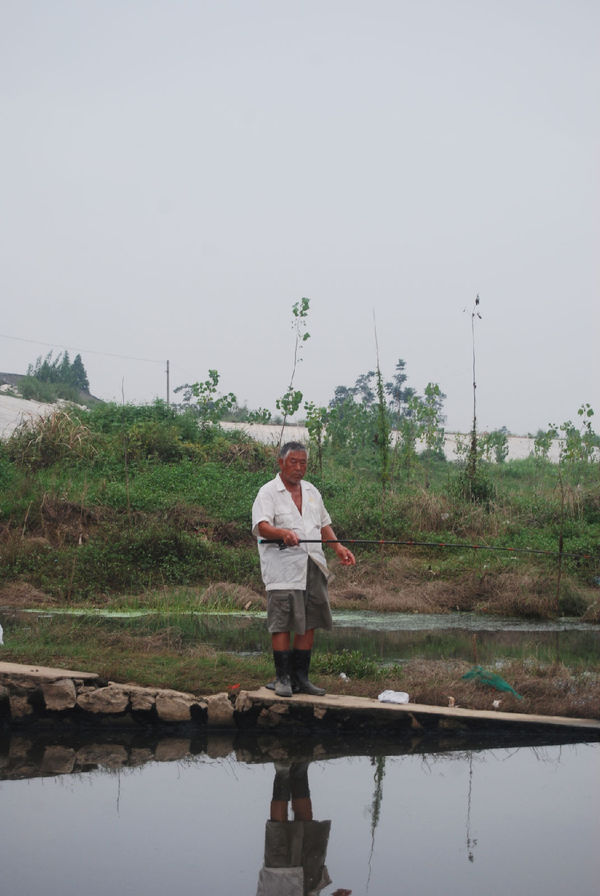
(60, 370)
(52, 378)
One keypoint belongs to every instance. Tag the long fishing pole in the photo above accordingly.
(425, 544)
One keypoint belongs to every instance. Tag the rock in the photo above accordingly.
(171, 749)
(20, 707)
(58, 760)
(220, 711)
(140, 756)
(273, 715)
(109, 700)
(106, 755)
(142, 699)
(4, 702)
(171, 706)
(219, 746)
(59, 695)
(243, 702)
(18, 748)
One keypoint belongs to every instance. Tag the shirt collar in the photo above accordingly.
(281, 487)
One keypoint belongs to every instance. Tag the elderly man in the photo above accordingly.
(291, 512)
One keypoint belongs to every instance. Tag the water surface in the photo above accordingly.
(385, 637)
(506, 819)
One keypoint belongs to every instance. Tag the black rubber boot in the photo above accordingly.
(300, 667)
(283, 682)
(271, 686)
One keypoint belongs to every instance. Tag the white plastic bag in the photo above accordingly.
(393, 697)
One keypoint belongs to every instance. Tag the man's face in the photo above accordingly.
(293, 467)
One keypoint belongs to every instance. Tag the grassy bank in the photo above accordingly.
(126, 500)
(139, 507)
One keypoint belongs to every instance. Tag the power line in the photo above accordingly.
(89, 351)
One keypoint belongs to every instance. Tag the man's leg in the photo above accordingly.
(305, 641)
(282, 657)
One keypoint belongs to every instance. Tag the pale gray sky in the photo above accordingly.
(175, 175)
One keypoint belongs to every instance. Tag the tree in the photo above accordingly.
(60, 371)
(63, 370)
(494, 445)
(399, 395)
(291, 400)
(350, 423)
(316, 422)
(577, 444)
(361, 416)
(363, 387)
(383, 432)
(80, 379)
(209, 406)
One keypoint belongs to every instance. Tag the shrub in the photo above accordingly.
(153, 439)
(34, 389)
(351, 662)
(111, 418)
(42, 442)
(478, 489)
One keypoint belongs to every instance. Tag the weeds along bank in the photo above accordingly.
(129, 500)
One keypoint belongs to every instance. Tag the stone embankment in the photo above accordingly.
(40, 697)
(40, 694)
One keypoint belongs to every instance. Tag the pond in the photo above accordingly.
(385, 637)
(260, 816)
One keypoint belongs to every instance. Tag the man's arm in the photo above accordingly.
(345, 556)
(287, 536)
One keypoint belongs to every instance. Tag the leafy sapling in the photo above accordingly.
(291, 400)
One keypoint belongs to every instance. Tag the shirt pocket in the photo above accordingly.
(284, 520)
(312, 514)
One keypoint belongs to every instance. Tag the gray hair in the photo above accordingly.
(291, 446)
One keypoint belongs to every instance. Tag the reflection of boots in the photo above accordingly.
(301, 665)
(299, 788)
(281, 784)
(283, 683)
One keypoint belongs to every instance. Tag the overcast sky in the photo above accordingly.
(175, 175)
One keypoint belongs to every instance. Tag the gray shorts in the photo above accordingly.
(300, 611)
(294, 844)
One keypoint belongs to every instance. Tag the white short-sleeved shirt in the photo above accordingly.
(274, 504)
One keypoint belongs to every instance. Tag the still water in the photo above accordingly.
(384, 637)
(174, 818)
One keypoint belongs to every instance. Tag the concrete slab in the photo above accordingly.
(362, 705)
(43, 673)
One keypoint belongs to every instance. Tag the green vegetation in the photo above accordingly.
(52, 378)
(148, 508)
(124, 500)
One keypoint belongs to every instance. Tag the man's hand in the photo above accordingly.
(289, 538)
(345, 556)
(274, 533)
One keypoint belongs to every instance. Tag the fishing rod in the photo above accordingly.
(425, 544)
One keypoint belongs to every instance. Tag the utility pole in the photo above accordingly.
(168, 384)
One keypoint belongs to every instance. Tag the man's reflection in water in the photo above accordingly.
(294, 850)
